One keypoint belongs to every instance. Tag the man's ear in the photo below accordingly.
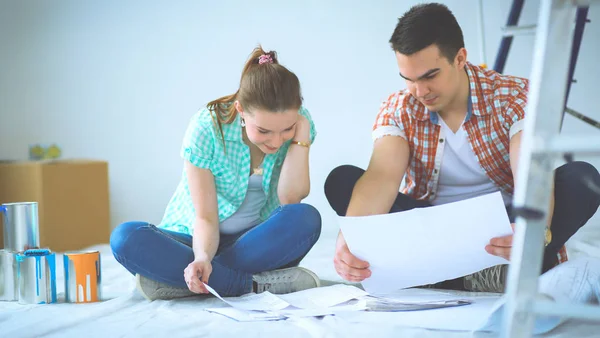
(461, 58)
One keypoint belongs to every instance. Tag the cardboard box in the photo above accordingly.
(72, 196)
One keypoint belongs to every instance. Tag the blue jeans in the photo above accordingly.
(161, 255)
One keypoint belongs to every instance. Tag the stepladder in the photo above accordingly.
(542, 145)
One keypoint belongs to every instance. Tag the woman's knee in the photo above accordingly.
(308, 219)
(122, 235)
(313, 218)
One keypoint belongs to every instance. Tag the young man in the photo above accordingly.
(455, 132)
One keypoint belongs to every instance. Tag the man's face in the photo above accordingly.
(430, 77)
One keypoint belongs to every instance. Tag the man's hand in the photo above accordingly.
(501, 246)
(347, 265)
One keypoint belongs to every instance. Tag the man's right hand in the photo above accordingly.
(347, 265)
(197, 273)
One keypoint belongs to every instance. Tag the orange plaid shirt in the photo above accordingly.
(497, 103)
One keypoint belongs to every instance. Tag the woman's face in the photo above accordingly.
(269, 130)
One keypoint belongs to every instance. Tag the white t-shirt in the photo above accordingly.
(461, 176)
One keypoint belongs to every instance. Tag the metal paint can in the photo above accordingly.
(9, 287)
(83, 277)
(21, 226)
(36, 270)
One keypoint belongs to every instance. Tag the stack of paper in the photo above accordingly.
(330, 300)
(390, 305)
(308, 303)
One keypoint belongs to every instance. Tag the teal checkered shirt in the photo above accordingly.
(203, 147)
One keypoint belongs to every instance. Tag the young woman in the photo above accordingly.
(235, 221)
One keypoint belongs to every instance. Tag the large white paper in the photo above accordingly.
(245, 315)
(323, 297)
(427, 245)
(459, 318)
(420, 295)
(306, 303)
(413, 300)
(264, 301)
(352, 305)
(309, 299)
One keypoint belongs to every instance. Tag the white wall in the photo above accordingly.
(119, 80)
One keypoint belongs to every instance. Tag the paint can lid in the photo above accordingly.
(36, 252)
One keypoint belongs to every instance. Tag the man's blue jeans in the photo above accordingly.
(280, 241)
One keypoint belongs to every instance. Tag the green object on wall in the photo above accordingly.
(40, 152)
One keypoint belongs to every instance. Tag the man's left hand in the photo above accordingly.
(501, 246)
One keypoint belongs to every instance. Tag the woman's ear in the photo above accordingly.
(238, 107)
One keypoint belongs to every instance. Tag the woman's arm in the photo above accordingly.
(206, 224)
(294, 181)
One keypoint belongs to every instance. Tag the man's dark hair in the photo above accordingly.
(427, 24)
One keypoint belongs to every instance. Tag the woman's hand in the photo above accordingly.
(197, 273)
(302, 133)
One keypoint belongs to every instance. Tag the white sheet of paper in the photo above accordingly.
(352, 305)
(427, 245)
(245, 315)
(575, 281)
(264, 301)
(460, 318)
(323, 297)
(418, 295)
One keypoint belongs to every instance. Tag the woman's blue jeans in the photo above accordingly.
(161, 255)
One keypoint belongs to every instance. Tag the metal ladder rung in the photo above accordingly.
(519, 30)
(582, 117)
(561, 144)
(583, 3)
(566, 309)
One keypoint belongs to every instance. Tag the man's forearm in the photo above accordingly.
(372, 195)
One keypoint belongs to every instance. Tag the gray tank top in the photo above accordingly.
(248, 215)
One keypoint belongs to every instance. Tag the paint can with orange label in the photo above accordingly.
(83, 277)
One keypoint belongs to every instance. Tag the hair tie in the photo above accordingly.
(265, 58)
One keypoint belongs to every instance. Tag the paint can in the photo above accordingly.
(21, 226)
(36, 270)
(83, 277)
(9, 287)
